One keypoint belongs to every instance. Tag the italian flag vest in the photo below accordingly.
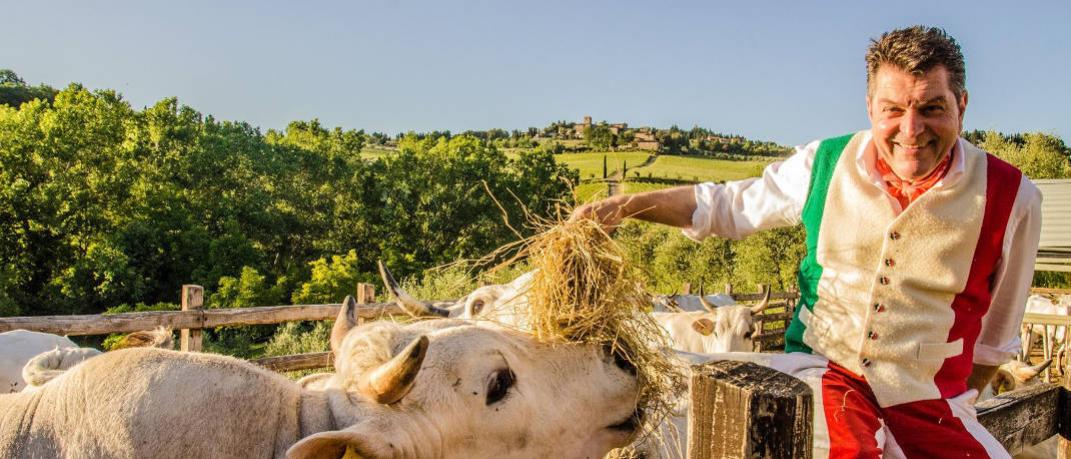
(899, 298)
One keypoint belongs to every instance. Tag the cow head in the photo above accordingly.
(728, 328)
(1017, 375)
(452, 389)
(410, 305)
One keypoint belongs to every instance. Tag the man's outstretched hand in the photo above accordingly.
(609, 212)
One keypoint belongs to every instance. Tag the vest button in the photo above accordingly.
(889, 262)
(894, 235)
(872, 335)
(883, 280)
(879, 307)
(865, 363)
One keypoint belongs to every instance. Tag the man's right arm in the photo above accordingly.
(671, 206)
(733, 210)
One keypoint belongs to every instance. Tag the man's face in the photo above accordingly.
(915, 119)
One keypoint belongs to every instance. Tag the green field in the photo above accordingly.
(696, 169)
(587, 192)
(590, 164)
(371, 153)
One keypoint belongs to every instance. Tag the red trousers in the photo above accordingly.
(922, 429)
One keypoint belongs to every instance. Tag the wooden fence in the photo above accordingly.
(193, 318)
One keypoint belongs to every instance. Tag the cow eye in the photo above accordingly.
(499, 385)
(477, 306)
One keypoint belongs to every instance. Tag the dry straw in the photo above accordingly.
(585, 291)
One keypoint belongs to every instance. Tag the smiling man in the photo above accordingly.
(920, 254)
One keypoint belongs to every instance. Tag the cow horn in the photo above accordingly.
(1027, 373)
(390, 381)
(758, 308)
(346, 319)
(410, 305)
(703, 300)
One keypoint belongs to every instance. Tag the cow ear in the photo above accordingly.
(347, 319)
(703, 326)
(335, 444)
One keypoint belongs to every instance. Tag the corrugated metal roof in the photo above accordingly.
(1054, 249)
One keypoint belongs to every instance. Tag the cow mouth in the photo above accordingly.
(630, 424)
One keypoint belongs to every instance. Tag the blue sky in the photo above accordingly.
(781, 71)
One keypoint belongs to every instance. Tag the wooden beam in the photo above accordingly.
(1046, 319)
(193, 299)
(1063, 424)
(310, 361)
(1051, 291)
(205, 318)
(743, 410)
(1025, 417)
(773, 296)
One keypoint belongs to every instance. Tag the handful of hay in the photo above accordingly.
(585, 291)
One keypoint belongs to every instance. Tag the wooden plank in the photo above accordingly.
(1063, 425)
(205, 318)
(792, 296)
(1023, 418)
(103, 324)
(1051, 291)
(310, 361)
(786, 316)
(193, 299)
(1046, 319)
(743, 410)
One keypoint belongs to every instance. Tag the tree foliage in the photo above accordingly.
(102, 204)
(1038, 155)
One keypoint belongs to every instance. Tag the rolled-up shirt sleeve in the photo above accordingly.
(999, 339)
(736, 209)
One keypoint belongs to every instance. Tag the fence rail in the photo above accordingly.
(193, 319)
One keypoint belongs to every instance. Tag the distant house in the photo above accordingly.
(644, 138)
(644, 135)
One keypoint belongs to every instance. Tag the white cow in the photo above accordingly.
(437, 388)
(46, 366)
(506, 304)
(1052, 335)
(19, 346)
(715, 328)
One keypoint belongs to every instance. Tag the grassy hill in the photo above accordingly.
(698, 169)
(590, 164)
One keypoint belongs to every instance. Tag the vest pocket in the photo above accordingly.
(939, 351)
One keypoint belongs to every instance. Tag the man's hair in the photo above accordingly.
(917, 50)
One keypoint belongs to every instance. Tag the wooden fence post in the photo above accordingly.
(366, 293)
(193, 298)
(743, 410)
(729, 288)
(686, 288)
(1063, 449)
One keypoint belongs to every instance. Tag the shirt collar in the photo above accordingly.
(865, 158)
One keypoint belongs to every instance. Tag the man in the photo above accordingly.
(920, 253)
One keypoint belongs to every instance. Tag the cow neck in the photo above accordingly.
(315, 414)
